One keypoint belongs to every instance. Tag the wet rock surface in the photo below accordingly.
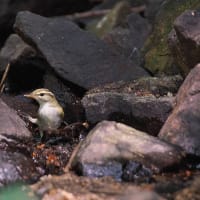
(120, 143)
(144, 104)
(56, 38)
(15, 166)
(182, 126)
(184, 37)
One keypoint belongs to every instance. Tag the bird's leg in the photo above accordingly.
(41, 134)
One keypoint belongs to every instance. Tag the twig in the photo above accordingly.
(69, 164)
(96, 13)
(4, 77)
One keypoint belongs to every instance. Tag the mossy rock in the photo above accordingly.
(115, 17)
(156, 52)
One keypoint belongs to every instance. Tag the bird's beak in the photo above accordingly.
(29, 96)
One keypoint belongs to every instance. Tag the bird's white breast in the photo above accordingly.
(49, 117)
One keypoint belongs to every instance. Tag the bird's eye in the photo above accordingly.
(41, 94)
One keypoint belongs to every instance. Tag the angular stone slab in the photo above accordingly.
(115, 142)
(184, 42)
(183, 125)
(74, 54)
(144, 104)
(14, 49)
(144, 113)
(11, 124)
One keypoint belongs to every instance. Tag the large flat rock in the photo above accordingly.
(110, 143)
(74, 54)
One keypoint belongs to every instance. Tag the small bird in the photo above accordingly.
(50, 114)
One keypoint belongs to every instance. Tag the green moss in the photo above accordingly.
(157, 55)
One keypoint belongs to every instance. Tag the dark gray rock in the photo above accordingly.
(9, 9)
(27, 66)
(125, 31)
(14, 49)
(112, 168)
(143, 104)
(111, 141)
(129, 38)
(16, 167)
(75, 55)
(153, 7)
(136, 172)
(11, 124)
(183, 40)
(144, 113)
(183, 125)
(139, 29)
(156, 86)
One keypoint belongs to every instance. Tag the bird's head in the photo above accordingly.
(42, 96)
